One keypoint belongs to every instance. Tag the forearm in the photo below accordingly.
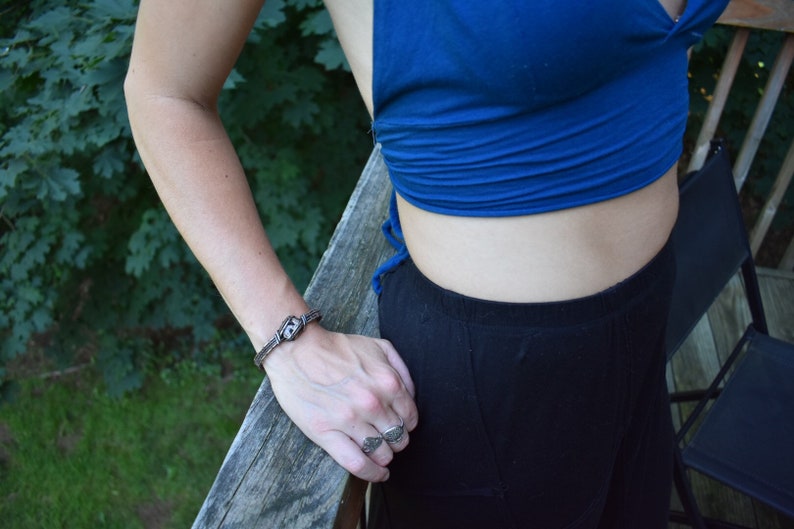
(199, 178)
(337, 388)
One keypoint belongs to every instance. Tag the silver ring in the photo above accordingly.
(371, 444)
(394, 434)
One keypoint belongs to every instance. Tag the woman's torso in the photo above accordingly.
(547, 256)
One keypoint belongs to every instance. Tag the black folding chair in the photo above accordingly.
(745, 419)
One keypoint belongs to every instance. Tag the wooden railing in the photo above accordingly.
(273, 476)
(754, 15)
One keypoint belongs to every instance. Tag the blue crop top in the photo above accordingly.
(518, 107)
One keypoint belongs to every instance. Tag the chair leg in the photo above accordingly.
(692, 515)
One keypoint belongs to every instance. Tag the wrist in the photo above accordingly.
(289, 330)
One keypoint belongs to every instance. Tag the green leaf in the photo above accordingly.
(8, 176)
(6, 78)
(331, 56)
(51, 20)
(72, 250)
(116, 10)
(156, 232)
(271, 15)
(59, 183)
(305, 4)
(318, 23)
(233, 80)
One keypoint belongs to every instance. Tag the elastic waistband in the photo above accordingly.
(655, 279)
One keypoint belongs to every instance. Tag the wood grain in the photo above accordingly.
(273, 476)
(776, 15)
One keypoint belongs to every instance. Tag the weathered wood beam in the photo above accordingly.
(777, 15)
(273, 476)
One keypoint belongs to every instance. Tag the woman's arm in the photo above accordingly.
(338, 389)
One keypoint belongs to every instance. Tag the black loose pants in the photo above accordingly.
(540, 415)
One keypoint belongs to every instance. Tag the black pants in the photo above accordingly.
(542, 415)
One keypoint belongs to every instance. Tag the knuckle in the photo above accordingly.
(410, 425)
(347, 415)
(318, 423)
(369, 403)
(356, 465)
(385, 459)
(390, 382)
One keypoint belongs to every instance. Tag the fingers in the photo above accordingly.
(378, 437)
(403, 405)
(367, 452)
(389, 440)
(397, 363)
(341, 390)
(394, 434)
(350, 456)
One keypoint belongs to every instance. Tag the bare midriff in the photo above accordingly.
(553, 256)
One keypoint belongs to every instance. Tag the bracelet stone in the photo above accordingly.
(289, 330)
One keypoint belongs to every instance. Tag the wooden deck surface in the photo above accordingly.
(697, 362)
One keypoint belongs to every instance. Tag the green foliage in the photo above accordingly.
(87, 253)
(64, 146)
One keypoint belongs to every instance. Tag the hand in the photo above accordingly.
(339, 389)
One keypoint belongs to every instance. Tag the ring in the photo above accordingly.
(394, 434)
(371, 444)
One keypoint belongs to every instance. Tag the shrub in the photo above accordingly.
(87, 253)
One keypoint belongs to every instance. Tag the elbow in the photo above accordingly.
(142, 87)
(132, 91)
(141, 91)
(128, 86)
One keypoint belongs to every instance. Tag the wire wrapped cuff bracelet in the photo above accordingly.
(289, 330)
